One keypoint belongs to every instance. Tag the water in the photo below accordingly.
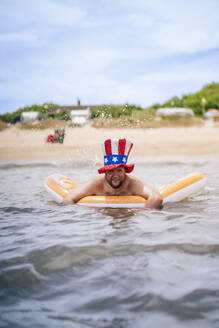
(72, 266)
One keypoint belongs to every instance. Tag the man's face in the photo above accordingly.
(116, 177)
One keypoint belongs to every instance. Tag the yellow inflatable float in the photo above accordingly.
(59, 186)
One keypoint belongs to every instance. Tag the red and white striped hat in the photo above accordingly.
(116, 152)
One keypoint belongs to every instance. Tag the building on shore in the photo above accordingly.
(178, 111)
(29, 116)
(55, 109)
(79, 114)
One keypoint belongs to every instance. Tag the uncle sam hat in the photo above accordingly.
(116, 152)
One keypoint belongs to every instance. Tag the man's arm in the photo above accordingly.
(152, 195)
(86, 189)
(154, 198)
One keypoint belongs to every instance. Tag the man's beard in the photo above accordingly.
(115, 187)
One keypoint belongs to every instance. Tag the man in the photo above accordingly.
(115, 181)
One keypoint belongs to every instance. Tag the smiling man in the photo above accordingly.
(114, 180)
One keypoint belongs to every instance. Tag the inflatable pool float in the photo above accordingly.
(59, 186)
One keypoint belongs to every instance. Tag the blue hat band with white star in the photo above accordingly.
(115, 159)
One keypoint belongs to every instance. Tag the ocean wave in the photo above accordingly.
(58, 257)
(20, 275)
(18, 210)
(11, 166)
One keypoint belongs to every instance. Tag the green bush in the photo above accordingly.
(14, 117)
(209, 92)
(112, 111)
(63, 115)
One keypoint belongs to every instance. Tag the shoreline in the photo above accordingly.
(85, 142)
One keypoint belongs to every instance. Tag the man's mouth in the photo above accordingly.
(116, 183)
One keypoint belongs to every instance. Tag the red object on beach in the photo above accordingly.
(50, 138)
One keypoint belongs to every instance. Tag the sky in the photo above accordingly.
(139, 52)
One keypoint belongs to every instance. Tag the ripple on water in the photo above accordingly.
(69, 266)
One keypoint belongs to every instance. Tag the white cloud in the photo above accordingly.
(59, 14)
(141, 20)
(143, 51)
(23, 36)
(179, 75)
(43, 12)
(173, 27)
(98, 88)
(179, 37)
(32, 21)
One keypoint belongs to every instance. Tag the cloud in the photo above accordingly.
(23, 36)
(143, 90)
(106, 52)
(37, 21)
(172, 27)
(46, 12)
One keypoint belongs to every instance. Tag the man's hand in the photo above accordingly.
(67, 200)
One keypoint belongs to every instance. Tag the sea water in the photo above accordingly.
(73, 266)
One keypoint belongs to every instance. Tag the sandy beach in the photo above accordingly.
(85, 142)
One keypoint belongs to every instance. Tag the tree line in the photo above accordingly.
(199, 102)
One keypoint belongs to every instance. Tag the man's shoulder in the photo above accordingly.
(133, 180)
(96, 181)
(134, 183)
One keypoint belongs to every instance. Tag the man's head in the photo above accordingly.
(116, 177)
(116, 152)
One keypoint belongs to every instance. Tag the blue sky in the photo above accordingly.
(105, 51)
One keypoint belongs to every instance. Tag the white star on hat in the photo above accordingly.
(124, 160)
(106, 160)
(115, 159)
